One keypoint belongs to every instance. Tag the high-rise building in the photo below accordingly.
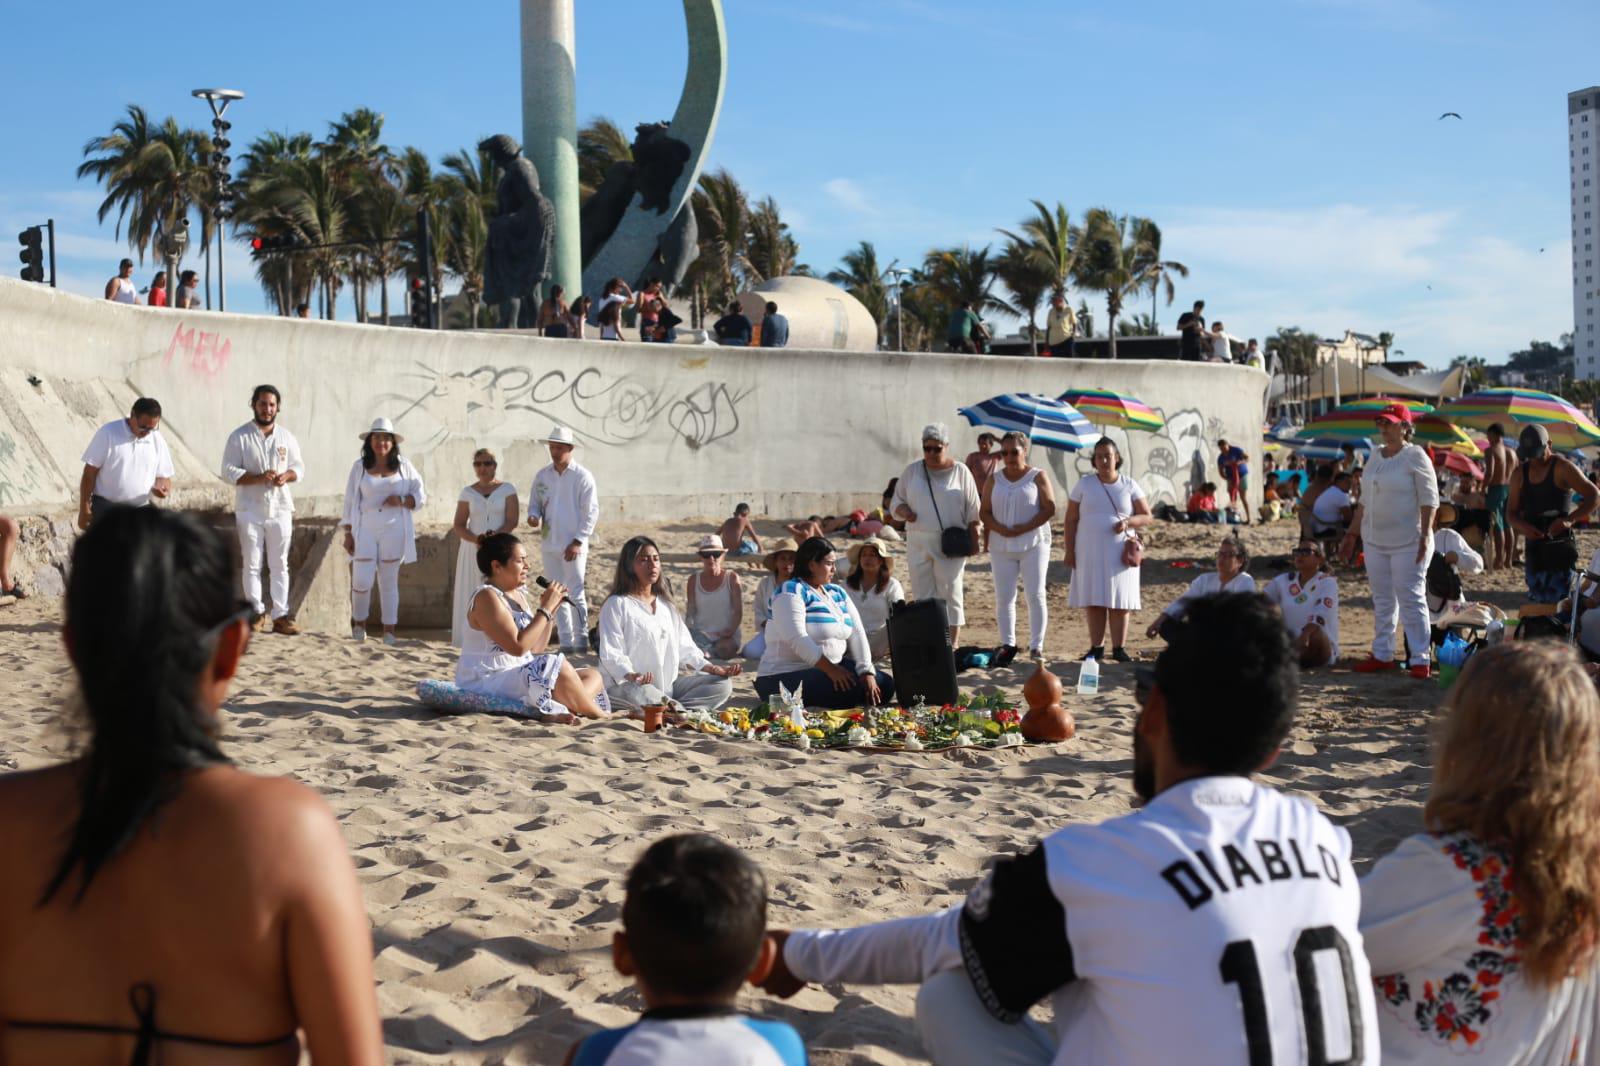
(1583, 145)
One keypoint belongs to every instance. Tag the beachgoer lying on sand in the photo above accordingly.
(1497, 905)
(715, 608)
(1308, 596)
(738, 534)
(1233, 558)
(503, 647)
(157, 900)
(693, 932)
(1124, 919)
(645, 645)
(873, 588)
(780, 563)
(817, 641)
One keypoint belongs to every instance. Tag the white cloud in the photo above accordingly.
(847, 194)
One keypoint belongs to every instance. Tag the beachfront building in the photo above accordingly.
(1353, 347)
(1583, 137)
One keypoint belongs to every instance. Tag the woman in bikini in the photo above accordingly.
(159, 903)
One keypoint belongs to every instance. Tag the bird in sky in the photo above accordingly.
(1449, 114)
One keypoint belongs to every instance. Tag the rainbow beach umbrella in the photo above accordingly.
(1045, 420)
(1107, 407)
(1348, 422)
(1568, 427)
(1378, 403)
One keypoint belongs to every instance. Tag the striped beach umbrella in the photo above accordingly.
(1348, 423)
(1568, 427)
(1045, 420)
(1327, 449)
(1107, 407)
(1378, 403)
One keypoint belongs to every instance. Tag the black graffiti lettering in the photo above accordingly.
(1239, 866)
(1271, 853)
(1181, 876)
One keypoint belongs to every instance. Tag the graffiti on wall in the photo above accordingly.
(1168, 465)
(499, 405)
(19, 482)
(202, 353)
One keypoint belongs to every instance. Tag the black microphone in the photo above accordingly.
(544, 583)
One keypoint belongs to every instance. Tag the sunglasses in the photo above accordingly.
(484, 462)
(1307, 551)
(933, 447)
(1010, 451)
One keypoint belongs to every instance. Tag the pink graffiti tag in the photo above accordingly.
(206, 353)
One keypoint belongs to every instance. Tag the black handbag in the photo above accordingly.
(1552, 555)
(955, 542)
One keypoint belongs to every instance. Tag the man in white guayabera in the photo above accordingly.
(126, 464)
(564, 506)
(260, 460)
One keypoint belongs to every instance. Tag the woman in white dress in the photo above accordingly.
(502, 652)
(873, 588)
(382, 491)
(780, 566)
(486, 506)
(645, 645)
(933, 494)
(1018, 504)
(1103, 511)
(715, 609)
(1482, 931)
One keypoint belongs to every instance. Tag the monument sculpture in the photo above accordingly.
(657, 164)
(521, 237)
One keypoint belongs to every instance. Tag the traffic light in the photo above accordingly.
(32, 240)
(419, 305)
(283, 243)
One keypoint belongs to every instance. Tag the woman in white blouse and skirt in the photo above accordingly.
(1399, 493)
(934, 494)
(1018, 504)
(1103, 511)
(645, 645)
(816, 641)
(872, 587)
(381, 493)
(486, 506)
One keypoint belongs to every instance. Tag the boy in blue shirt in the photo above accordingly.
(693, 931)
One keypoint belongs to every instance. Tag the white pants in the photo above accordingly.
(957, 1030)
(275, 533)
(1031, 565)
(379, 546)
(572, 620)
(1400, 583)
(935, 575)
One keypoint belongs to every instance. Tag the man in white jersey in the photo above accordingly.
(261, 459)
(564, 506)
(1218, 924)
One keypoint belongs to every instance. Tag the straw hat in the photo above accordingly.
(382, 425)
(710, 544)
(771, 560)
(559, 435)
(854, 552)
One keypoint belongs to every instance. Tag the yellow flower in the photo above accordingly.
(814, 734)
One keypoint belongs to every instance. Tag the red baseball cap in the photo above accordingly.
(1396, 412)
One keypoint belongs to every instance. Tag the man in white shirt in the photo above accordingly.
(126, 463)
(1220, 923)
(261, 459)
(1333, 507)
(564, 506)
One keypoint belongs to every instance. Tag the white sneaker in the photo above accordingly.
(390, 639)
(358, 634)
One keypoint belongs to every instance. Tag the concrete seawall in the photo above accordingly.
(670, 432)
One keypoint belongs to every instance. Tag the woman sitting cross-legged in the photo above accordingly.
(158, 902)
(816, 641)
(1308, 596)
(1482, 931)
(715, 608)
(1233, 558)
(780, 562)
(644, 643)
(502, 648)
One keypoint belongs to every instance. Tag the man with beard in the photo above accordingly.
(1220, 920)
(260, 460)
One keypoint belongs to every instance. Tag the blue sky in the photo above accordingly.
(1290, 149)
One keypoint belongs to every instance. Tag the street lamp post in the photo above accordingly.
(219, 99)
(899, 274)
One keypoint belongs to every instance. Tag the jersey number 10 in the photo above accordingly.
(1239, 967)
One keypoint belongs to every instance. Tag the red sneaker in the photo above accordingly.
(1369, 665)
(1421, 672)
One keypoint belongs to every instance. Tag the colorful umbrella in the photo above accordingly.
(1568, 426)
(1106, 407)
(1461, 465)
(1328, 448)
(1045, 420)
(1378, 403)
(1350, 423)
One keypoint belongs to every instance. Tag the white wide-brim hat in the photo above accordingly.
(559, 435)
(382, 425)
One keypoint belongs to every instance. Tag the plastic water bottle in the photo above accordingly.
(1089, 677)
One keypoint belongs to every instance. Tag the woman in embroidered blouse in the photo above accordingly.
(816, 641)
(381, 493)
(1482, 931)
(644, 643)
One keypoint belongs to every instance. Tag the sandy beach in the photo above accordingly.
(492, 851)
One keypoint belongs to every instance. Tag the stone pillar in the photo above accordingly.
(550, 125)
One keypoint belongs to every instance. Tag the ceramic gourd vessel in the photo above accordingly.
(1046, 721)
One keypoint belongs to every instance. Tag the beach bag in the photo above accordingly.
(1443, 582)
(1548, 555)
(954, 541)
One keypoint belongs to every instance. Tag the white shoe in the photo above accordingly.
(358, 634)
(390, 639)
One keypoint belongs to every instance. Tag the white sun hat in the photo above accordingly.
(382, 425)
(559, 435)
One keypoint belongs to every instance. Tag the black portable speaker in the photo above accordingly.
(924, 662)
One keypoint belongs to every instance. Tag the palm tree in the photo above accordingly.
(600, 144)
(960, 275)
(153, 173)
(382, 218)
(722, 214)
(773, 252)
(427, 192)
(1111, 263)
(312, 198)
(1156, 272)
(1052, 242)
(1029, 280)
(287, 277)
(1140, 326)
(465, 240)
(862, 277)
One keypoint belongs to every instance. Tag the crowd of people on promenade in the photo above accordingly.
(161, 900)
